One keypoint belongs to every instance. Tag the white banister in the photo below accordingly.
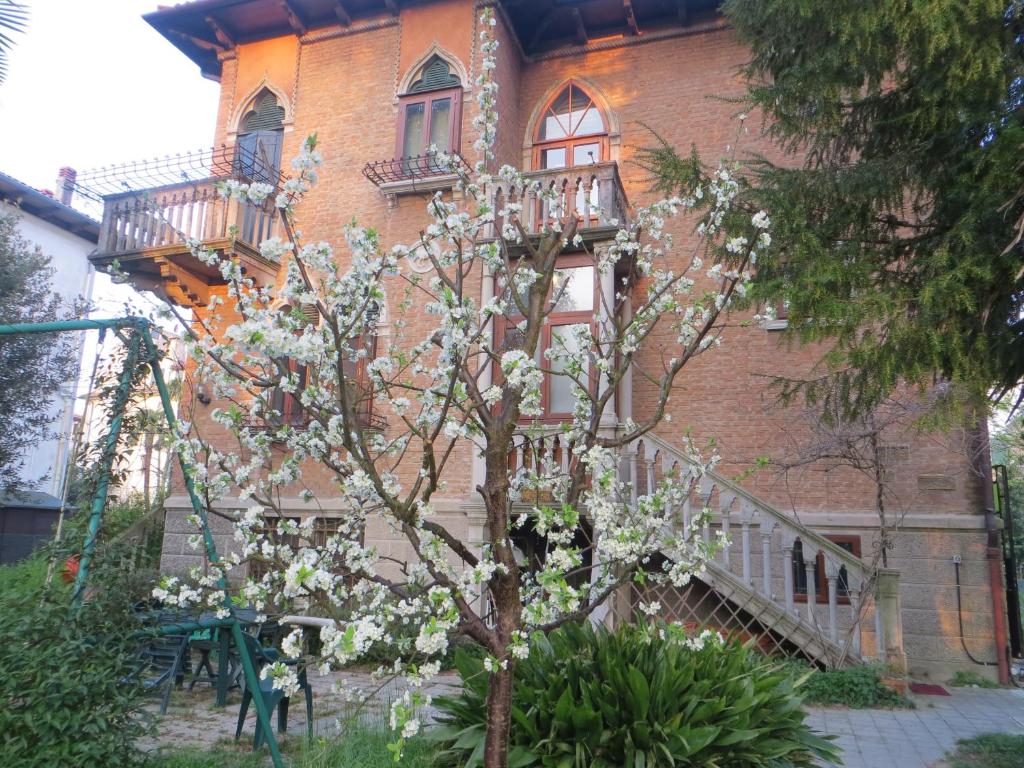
(832, 581)
(811, 569)
(855, 616)
(745, 536)
(767, 526)
(787, 574)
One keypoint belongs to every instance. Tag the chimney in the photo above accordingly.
(66, 184)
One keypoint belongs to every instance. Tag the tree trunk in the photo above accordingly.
(499, 717)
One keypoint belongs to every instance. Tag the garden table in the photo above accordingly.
(228, 671)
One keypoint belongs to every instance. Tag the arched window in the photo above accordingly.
(258, 158)
(430, 113)
(571, 131)
(260, 135)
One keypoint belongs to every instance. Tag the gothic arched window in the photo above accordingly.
(571, 131)
(430, 112)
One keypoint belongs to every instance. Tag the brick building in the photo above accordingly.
(580, 84)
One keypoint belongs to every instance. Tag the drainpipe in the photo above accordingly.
(993, 551)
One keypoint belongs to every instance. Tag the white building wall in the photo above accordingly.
(72, 279)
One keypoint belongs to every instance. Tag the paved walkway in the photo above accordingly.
(918, 738)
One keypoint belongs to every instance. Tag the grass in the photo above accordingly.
(964, 679)
(990, 750)
(360, 746)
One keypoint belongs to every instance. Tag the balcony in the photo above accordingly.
(591, 193)
(412, 175)
(151, 211)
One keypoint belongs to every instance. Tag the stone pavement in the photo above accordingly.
(192, 720)
(918, 738)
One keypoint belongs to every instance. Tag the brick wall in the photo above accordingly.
(343, 87)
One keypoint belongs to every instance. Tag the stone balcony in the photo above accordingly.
(592, 193)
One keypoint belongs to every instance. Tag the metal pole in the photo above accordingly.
(141, 332)
(59, 326)
(106, 462)
(251, 678)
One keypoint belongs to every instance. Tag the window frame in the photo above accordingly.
(570, 141)
(293, 414)
(427, 98)
(820, 581)
(554, 320)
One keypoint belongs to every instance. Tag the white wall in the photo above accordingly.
(72, 279)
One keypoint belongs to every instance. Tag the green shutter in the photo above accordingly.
(266, 115)
(436, 74)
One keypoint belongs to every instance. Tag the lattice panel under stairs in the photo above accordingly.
(698, 606)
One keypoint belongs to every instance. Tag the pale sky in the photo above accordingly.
(91, 84)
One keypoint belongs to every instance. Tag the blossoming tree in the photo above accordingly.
(474, 377)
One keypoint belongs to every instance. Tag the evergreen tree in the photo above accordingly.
(33, 369)
(898, 206)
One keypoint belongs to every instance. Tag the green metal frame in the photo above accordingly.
(135, 333)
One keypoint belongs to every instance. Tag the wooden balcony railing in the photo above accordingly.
(171, 216)
(148, 234)
(591, 193)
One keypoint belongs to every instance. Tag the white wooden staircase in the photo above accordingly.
(750, 587)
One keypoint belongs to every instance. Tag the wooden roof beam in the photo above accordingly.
(198, 42)
(294, 20)
(581, 29)
(542, 27)
(344, 17)
(220, 32)
(684, 12)
(627, 6)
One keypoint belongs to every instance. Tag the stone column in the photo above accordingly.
(891, 620)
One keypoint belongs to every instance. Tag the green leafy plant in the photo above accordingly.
(990, 750)
(967, 679)
(857, 687)
(644, 695)
(69, 695)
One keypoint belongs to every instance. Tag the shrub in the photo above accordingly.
(644, 695)
(857, 687)
(64, 699)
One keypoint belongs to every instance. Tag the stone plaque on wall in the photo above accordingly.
(936, 483)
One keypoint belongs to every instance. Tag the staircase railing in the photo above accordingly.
(757, 550)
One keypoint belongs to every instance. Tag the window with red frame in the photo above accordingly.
(571, 131)
(574, 293)
(850, 543)
(287, 403)
(430, 114)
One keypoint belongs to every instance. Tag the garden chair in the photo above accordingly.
(163, 665)
(272, 698)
